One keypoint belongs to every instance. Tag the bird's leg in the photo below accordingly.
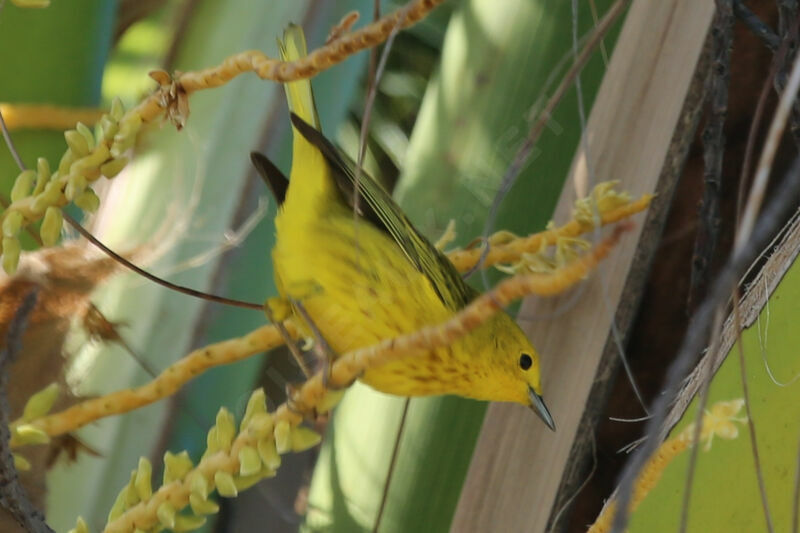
(277, 311)
(321, 346)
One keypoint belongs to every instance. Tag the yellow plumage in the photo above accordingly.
(366, 279)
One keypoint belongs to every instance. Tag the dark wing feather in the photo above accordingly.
(378, 207)
(272, 176)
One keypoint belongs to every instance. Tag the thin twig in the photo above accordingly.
(741, 257)
(751, 424)
(702, 402)
(392, 464)
(788, 31)
(121, 260)
(755, 24)
(155, 279)
(525, 150)
(767, 156)
(755, 126)
(616, 335)
(796, 498)
(13, 496)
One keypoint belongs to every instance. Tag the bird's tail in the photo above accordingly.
(298, 93)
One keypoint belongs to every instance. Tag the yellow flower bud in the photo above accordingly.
(50, 230)
(12, 223)
(11, 250)
(36, 4)
(202, 506)
(77, 143)
(87, 134)
(41, 402)
(188, 522)
(304, 438)
(28, 434)
(121, 145)
(88, 201)
(283, 436)
(166, 515)
(198, 485)
(225, 484)
(176, 466)
(80, 527)
(23, 185)
(142, 483)
(117, 109)
(20, 463)
(245, 482)
(256, 404)
(226, 428)
(131, 496)
(120, 505)
(249, 461)
(269, 453)
(113, 167)
(109, 127)
(66, 161)
(76, 184)
(49, 196)
(260, 425)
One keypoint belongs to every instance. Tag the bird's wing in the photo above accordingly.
(378, 207)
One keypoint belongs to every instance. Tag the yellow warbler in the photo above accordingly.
(368, 278)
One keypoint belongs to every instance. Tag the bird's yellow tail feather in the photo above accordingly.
(298, 93)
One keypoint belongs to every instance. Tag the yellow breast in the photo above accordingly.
(359, 288)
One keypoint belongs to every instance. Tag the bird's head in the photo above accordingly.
(520, 365)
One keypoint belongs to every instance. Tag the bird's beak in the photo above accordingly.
(538, 407)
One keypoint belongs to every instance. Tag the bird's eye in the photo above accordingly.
(525, 361)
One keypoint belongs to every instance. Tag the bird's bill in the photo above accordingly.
(538, 407)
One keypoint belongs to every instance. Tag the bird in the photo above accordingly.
(354, 269)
